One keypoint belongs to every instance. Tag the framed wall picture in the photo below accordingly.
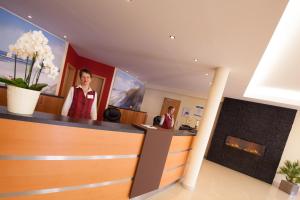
(127, 91)
(198, 111)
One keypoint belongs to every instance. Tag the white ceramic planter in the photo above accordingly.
(21, 101)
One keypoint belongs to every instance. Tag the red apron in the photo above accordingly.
(81, 105)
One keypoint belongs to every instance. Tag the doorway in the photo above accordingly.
(68, 80)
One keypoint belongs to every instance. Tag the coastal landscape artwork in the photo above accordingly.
(127, 91)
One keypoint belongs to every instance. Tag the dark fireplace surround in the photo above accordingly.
(250, 137)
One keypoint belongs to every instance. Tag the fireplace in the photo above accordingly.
(244, 145)
(250, 137)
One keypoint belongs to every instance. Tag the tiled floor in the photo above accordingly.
(219, 183)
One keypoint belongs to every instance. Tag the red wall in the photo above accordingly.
(96, 68)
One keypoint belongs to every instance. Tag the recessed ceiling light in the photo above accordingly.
(172, 37)
(29, 16)
(65, 36)
(129, 0)
(127, 71)
(196, 60)
(206, 74)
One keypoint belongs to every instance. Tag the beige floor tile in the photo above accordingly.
(216, 182)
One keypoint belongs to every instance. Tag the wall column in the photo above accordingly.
(201, 140)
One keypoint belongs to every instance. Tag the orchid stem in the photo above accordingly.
(30, 70)
(39, 73)
(15, 68)
(26, 68)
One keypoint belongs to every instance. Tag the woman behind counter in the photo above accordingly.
(167, 120)
(81, 102)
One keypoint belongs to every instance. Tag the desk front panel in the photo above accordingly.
(43, 161)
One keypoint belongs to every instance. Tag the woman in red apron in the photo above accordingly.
(167, 120)
(81, 102)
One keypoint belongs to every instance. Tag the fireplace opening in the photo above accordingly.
(244, 145)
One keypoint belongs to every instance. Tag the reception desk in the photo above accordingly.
(49, 157)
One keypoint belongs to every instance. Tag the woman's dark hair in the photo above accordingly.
(84, 71)
(170, 108)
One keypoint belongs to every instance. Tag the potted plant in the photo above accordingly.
(23, 92)
(291, 171)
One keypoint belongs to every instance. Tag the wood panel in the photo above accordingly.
(3, 93)
(48, 104)
(176, 159)
(126, 116)
(46, 139)
(180, 143)
(175, 163)
(171, 176)
(139, 118)
(111, 192)
(132, 117)
(25, 175)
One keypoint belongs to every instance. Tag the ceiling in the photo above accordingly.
(134, 36)
(276, 77)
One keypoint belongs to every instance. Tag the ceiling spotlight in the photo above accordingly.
(127, 71)
(29, 16)
(206, 74)
(196, 60)
(172, 37)
(65, 36)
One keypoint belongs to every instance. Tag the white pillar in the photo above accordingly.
(201, 140)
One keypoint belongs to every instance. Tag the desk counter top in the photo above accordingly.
(46, 118)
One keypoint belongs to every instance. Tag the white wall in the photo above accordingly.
(292, 147)
(153, 100)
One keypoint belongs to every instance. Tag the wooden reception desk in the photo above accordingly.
(49, 157)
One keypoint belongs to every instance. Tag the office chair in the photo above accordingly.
(156, 120)
(112, 115)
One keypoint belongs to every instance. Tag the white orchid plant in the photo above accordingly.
(33, 48)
